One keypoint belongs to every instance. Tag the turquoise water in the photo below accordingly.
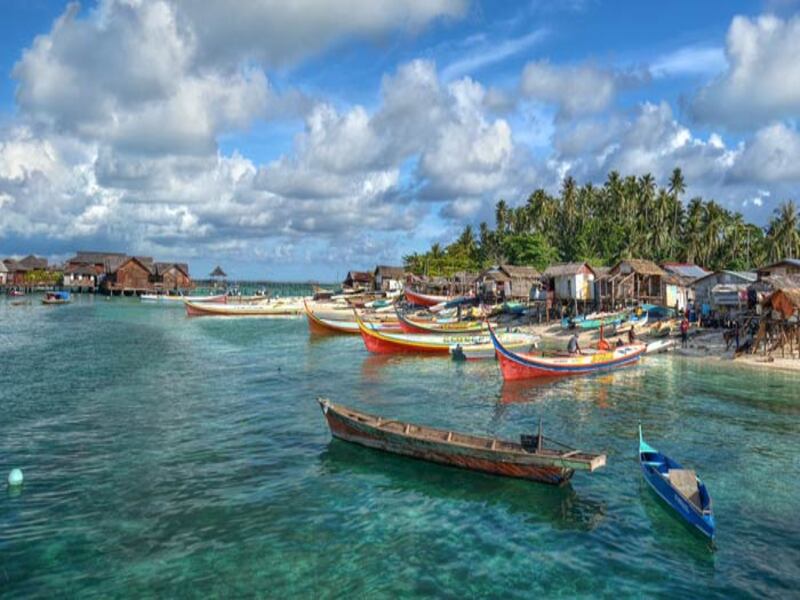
(168, 457)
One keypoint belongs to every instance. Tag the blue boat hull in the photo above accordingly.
(674, 501)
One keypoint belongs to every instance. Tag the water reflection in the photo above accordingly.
(560, 506)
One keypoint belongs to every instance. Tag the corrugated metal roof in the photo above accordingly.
(685, 270)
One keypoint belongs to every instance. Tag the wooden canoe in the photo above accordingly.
(382, 342)
(515, 365)
(410, 326)
(178, 300)
(531, 461)
(680, 489)
(319, 325)
(267, 309)
(421, 299)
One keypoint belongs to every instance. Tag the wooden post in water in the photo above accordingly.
(540, 437)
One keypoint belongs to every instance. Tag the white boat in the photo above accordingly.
(178, 300)
(661, 345)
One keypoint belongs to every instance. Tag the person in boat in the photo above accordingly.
(685, 333)
(620, 343)
(631, 336)
(573, 347)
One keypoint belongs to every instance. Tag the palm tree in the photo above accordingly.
(501, 217)
(783, 236)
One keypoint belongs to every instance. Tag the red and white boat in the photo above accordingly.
(515, 365)
(425, 299)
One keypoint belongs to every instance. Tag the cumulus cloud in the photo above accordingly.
(762, 81)
(576, 90)
(772, 156)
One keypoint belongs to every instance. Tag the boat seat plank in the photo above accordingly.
(685, 481)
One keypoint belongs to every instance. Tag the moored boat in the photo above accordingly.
(382, 342)
(600, 321)
(518, 365)
(679, 488)
(275, 308)
(319, 325)
(56, 298)
(657, 346)
(178, 300)
(421, 299)
(530, 459)
(411, 326)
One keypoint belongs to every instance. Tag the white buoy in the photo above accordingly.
(15, 477)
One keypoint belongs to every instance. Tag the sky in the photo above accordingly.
(298, 140)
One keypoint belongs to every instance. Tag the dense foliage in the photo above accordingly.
(627, 217)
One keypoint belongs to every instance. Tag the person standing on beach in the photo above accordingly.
(685, 333)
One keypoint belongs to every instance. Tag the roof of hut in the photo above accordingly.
(794, 262)
(390, 272)
(641, 266)
(786, 295)
(520, 272)
(566, 269)
(33, 262)
(218, 272)
(685, 270)
(163, 267)
(3, 267)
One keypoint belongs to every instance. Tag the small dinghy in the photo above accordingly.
(681, 489)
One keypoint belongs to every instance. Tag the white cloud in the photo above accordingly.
(762, 82)
(490, 54)
(690, 60)
(576, 90)
(773, 155)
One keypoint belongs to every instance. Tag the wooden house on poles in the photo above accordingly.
(172, 276)
(571, 283)
(779, 326)
(508, 282)
(357, 281)
(635, 280)
(787, 267)
(388, 279)
(133, 276)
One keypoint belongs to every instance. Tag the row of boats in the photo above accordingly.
(385, 329)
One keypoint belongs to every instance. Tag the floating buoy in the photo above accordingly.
(15, 477)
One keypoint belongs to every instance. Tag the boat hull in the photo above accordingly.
(523, 366)
(431, 451)
(201, 309)
(673, 500)
(409, 326)
(425, 299)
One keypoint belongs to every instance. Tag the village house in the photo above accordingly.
(133, 276)
(3, 273)
(172, 276)
(389, 279)
(571, 282)
(783, 268)
(357, 281)
(17, 271)
(635, 280)
(508, 282)
(723, 288)
(80, 277)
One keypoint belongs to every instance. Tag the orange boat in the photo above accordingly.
(321, 326)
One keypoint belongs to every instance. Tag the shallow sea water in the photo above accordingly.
(174, 457)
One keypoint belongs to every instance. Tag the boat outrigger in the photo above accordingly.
(681, 489)
(529, 459)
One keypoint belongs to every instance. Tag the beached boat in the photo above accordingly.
(681, 489)
(412, 326)
(178, 300)
(421, 299)
(530, 459)
(319, 325)
(382, 342)
(523, 343)
(657, 346)
(662, 329)
(600, 321)
(514, 365)
(56, 298)
(275, 308)
(635, 323)
(16, 293)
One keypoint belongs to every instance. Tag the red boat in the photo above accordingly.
(525, 366)
(526, 460)
(425, 299)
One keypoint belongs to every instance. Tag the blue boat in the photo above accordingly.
(681, 489)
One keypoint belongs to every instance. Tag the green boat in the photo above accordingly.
(604, 321)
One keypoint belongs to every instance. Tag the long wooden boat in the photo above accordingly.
(600, 321)
(319, 325)
(276, 308)
(680, 489)
(421, 299)
(635, 323)
(410, 326)
(659, 345)
(529, 459)
(382, 342)
(178, 300)
(515, 365)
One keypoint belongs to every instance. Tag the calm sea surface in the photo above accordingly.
(172, 457)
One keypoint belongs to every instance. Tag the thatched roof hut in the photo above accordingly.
(785, 299)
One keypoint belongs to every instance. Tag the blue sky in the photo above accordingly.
(298, 141)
